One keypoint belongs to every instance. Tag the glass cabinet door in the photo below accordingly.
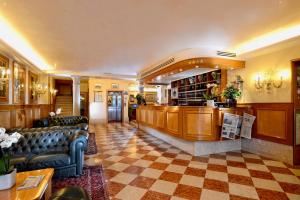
(298, 82)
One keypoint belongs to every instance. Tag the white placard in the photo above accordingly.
(248, 121)
(230, 126)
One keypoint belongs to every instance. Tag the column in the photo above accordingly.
(76, 95)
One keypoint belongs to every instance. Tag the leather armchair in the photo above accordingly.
(79, 121)
(61, 149)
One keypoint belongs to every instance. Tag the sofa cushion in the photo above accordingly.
(49, 160)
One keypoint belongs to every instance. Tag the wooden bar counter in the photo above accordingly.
(193, 123)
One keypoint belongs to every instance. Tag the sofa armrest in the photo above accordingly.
(84, 119)
(78, 143)
(83, 126)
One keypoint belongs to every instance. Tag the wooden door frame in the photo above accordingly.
(122, 100)
(296, 148)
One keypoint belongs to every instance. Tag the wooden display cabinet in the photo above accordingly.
(191, 90)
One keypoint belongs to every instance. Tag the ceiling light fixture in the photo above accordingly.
(14, 39)
(268, 39)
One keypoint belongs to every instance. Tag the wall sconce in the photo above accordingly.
(4, 75)
(53, 91)
(269, 80)
(39, 88)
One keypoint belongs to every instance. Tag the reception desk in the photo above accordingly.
(192, 123)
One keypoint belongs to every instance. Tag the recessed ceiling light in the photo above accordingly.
(16, 41)
(196, 66)
(180, 70)
(172, 73)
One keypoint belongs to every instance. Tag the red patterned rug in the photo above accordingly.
(91, 145)
(92, 181)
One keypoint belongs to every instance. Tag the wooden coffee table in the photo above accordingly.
(43, 190)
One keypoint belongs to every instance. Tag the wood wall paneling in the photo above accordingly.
(21, 115)
(274, 122)
(160, 119)
(150, 117)
(173, 121)
(199, 125)
(5, 118)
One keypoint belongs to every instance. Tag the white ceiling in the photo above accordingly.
(93, 37)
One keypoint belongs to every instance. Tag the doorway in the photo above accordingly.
(114, 106)
(296, 100)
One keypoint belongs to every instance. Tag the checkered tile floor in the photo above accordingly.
(140, 166)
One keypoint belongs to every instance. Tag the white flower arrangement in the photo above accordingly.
(51, 114)
(57, 112)
(6, 140)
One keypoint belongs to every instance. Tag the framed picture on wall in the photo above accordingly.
(98, 97)
(18, 83)
(98, 86)
(114, 85)
(33, 96)
(4, 75)
(131, 98)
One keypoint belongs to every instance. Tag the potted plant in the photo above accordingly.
(7, 170)
(211, 95)
(230, 93)
(140, 99)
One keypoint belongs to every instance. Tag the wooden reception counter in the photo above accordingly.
(194, 123)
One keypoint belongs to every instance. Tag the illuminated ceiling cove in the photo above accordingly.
(120, 38)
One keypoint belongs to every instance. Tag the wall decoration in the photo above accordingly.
(4, 79)
(18, 83)
(33, 96)
(131, 98)
(98, 86)
(150, 97)
(114, 85)
(98, 97)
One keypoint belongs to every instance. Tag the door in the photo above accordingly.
(296, 95)
(114, 106)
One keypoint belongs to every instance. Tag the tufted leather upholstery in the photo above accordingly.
(79, 121)
(41, 129)
(60, 148)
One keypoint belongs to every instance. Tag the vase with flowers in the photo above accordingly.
(54, 119)
(7, 170)
(231, 93)
(212, 94)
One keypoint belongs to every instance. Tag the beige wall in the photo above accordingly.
(98, 112)
(276, 57)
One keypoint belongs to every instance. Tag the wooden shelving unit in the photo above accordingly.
(191, 89)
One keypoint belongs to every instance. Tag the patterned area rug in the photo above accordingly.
(91, 146)
(92, 181)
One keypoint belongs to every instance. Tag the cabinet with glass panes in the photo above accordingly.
(191, 90)
(297, 84)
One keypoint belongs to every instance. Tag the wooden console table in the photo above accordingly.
(43, 190)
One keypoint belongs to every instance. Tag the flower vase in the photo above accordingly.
(231, 102)
(210, 103)
(8, 180)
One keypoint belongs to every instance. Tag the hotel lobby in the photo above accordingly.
(146, 100)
